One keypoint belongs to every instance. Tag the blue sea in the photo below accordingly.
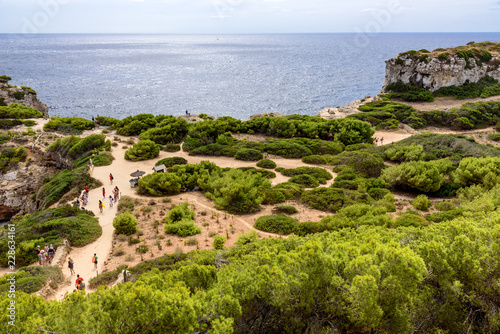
(221, 75)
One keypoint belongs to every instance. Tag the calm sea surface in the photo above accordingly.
(234, 75)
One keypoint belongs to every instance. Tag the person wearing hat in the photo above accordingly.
(38, 251)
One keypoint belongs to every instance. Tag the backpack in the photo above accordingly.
(82, 286)
(93, 259)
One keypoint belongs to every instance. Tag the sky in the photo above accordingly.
(248, 16)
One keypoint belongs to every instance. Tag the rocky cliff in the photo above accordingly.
(23, 180)
(444, 67)
(20, 95)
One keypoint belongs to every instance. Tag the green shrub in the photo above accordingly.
(143, 150)
(405, 153)
(289, 190)
(494, 136)
(419, 175)
(10, 156)
(106, 278)
(365, 164)
(422, 203)
(68, 125)
(170, 129)
(378, 193)
(172, 147)
(18, 111)
(236, 191)
(218, 242)
(332, 199)
(169, 162)
(4, 137)
(408, 219)
(485, 171)
(285, 209)
(318, 173)
(183, 228)
(32, 279)
(444, 206)
(125, 224)
(318, 159)
(248, 155)
(86, 144)
(62, 183)
(179, 213)
(50, 226)
(439, 217)
(305, 180)
(160, 184)
(279, 224)
(266, 163)
(273, 196)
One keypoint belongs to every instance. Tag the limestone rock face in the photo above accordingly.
(434, 73)
(21, 182)
(29, 99)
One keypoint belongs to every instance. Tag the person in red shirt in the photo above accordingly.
(87, 189)
(78, 281)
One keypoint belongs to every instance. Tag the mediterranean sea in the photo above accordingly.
(221, 75)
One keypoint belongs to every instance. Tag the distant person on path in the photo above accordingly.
(51, 253)
(381, 141)
(103, 193)
(94, 260)
(38, 253)
(93, 119)
(111, 178)
(70, 266)
(101, 206)
(110, 201)
(78, 203)
(87, 189)
(79, 284)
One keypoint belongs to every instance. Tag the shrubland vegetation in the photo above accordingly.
(50, 226)
(68, 125)
(143, 150)
(10, 156)
(18, 111)
(469, 116)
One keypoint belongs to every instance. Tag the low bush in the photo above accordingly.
(494, 136)
(10, 156)
(143, 150)
(439, 217)
(318, 173)
(68, 125)
(289, 190)
(182, 228)
(172, 147)
(305, 180)
(279, 224)
(19, 111)
(365, 164)
(218, 242)
(422, 203)
(169, 162)
(248, 155)
(160, 184)
(63, 182)
(125, 224)
(179, 213)
(106, 278)
(273, 196)
(285, 209)
(266, 163)
(51, 226)
(32, 279)
(333, 199)
(444, 206)
(408, 219)
(318, 159)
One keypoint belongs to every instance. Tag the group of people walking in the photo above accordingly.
(45, 255)
(112, 198)
(79, 283)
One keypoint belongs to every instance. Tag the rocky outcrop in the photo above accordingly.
(433, 71)
(21, 95)
(341, 112)
(23, 180)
